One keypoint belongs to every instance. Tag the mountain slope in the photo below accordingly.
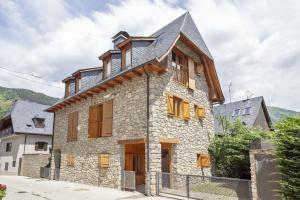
(9, 95)
(277, 114)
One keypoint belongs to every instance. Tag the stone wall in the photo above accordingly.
(129, 121)
(31, 164)
(194, 135)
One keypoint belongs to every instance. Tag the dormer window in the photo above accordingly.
(78, 84)
(67, 89)
(128, 58)
(236, 112)
(108, 68)
(247, 111)
(39, 122)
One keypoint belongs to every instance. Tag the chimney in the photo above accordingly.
(119, 37)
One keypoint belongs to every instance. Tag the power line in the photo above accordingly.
(14, 71)
(15, 74)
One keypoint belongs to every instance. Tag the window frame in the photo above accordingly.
(123, 56)
(127, 65)
(44, 146)
(8, 147)
(180, 67)
(36, 121)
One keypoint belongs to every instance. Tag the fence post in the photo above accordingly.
(188, 186)
(157, 183)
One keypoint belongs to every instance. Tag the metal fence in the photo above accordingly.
(203, 187)
(45, 172)
(128, 180)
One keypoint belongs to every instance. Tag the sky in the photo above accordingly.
(255, 44)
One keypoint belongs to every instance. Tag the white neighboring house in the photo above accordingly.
(26, 129)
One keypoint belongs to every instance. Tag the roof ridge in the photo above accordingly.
(183, 22)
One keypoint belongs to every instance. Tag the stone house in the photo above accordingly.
(25, 129)
(150, 112)
(252, 112)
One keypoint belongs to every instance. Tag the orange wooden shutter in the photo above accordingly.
(75, 126)
(93, 121)
(70, 125)
(200, 112)
(191, 68)
(104, 161)
(70, 160)
(204, 160)
(185, 110)
(107, 121)
(170, 105)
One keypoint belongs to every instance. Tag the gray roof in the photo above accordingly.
(22, 114)
(228, 109)
(166, 36)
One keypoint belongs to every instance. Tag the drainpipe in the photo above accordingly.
(25, 140)
(148, 133)
(52, 142)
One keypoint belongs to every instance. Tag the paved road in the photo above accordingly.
(24, 188)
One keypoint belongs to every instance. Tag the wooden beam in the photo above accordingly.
(118, 82)
(109, 84)
(169, 140)
(96, 90)
(126, 77)
(137, 73)
(132, 141)
(102, 88)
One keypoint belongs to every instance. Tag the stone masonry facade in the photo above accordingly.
(31, 164)
(129, 122)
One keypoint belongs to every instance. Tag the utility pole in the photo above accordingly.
(229, 89)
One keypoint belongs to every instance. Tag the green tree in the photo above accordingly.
(288, 151)
(231, 151)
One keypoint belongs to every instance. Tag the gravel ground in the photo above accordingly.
(25, 188)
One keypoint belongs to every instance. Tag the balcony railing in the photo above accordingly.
(180, 74)
(6, 131)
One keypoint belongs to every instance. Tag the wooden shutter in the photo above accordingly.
(191, 68)
(72, 126)
(104, 161)
(185, 110)
(93, 121)
(200, 112)
(70, 160)
(45, 146)
(170, 105)
(107, 121)
(204, 160)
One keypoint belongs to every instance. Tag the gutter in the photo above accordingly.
(148, 191)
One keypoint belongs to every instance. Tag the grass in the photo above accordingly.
(215, 188)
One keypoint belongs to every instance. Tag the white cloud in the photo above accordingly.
(254, 43)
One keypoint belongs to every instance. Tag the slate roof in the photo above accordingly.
(227, 110)
(166, 36)
(22, 114)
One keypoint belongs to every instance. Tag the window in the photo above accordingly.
(6, 166)
(70, 160)
(236, 112)
(101, 120)
(14, 163)
(8, 147)
(108, 68)
(203, 160)
(180, 69)
(39, 122)
(72, 126)
(199, 112)
(178, 107)
(103, 161)
(128, 58)
(78, 84)
(247, 111)
(41, 146)
(67, 88)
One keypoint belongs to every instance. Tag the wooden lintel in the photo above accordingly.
(132, 141)
(169, 140)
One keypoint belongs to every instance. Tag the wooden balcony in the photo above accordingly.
(180, 74)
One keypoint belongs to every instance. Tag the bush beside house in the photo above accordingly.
(288, 151)
(230, 152)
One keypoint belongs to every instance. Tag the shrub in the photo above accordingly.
(231, 151)
(288, 151)
(2, 190)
